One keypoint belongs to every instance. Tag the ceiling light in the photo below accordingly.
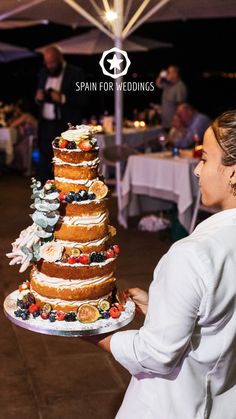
(111, 15)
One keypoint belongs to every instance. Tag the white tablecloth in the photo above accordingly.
(8, 137)
(159, 175)
(130, 136)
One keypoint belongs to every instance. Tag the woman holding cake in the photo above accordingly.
(183, 359)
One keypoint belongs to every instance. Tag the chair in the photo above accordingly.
(199, 207)
(116, 157)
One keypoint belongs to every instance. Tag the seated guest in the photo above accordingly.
(26, 125)
(178, 130)
(195, 123)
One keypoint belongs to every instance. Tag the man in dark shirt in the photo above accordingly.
(59, 103)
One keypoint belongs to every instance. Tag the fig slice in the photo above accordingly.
(87, 313)
(99, 189)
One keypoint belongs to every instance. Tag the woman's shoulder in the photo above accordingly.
(204, 248)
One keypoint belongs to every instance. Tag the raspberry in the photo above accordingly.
(33, 308)
(116, 248)
(114, 312)
(63, 143)
(71, 260)
(120, 307)
(110, 254)
(60, 315)
(62, 196)
(84, 259)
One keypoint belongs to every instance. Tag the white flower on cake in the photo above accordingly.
(22, 248)
(77, 133)
(51, 252)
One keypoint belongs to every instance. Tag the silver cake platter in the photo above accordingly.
(69, 329)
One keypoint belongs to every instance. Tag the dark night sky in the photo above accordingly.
(200, 46)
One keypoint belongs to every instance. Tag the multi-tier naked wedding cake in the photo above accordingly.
(70, 243)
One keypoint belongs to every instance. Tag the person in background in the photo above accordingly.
(174, 92)
(195, 124)
(59, 104)
(26, 125)
(183, 359)
(178, 129)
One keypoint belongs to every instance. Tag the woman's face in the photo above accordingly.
(214, 177)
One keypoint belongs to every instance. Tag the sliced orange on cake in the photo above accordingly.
(99, 189)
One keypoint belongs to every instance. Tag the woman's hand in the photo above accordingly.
(139, 297)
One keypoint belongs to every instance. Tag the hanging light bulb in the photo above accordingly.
(111, 15)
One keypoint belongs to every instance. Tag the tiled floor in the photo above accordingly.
(46, 377)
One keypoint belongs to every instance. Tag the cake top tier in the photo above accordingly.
(78, 138)
(79, 132)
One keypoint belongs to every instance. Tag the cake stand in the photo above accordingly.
(69, 329)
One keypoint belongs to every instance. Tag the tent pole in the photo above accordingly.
(148, 15)
(88, 17)
(118, 27)
(127, 10)
(97, 9)
(135, 17)
(106, 5)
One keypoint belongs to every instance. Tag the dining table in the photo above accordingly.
(163, 176)
(8, 137)
(133, 137)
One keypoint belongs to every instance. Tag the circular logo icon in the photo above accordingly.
(119, 62)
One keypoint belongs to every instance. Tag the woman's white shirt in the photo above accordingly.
(183, 359)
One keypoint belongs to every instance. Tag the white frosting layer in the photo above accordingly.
(77, 244)
(97, 201)
(60, 283)
(95, 219)
(76, 182)
(76, 134)
(90, 163)
(66, 302)
(81, 264)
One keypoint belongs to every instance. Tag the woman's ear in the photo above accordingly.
(232, 174)
(232, 180)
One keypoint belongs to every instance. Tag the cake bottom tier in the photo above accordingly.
(65, 305)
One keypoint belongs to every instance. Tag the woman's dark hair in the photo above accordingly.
(224, 128)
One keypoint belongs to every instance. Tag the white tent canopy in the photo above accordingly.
(60, 12)
(95, 42)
